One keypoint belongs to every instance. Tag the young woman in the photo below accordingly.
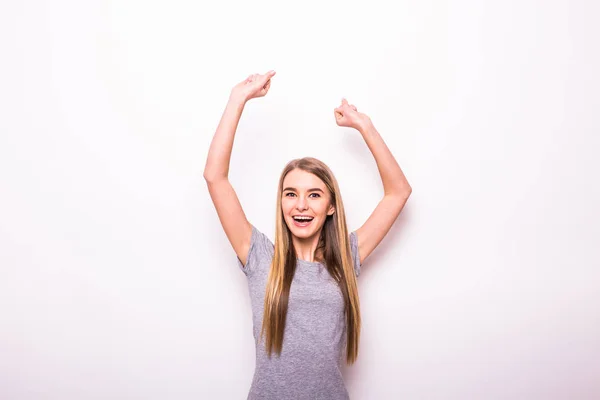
(303, 288)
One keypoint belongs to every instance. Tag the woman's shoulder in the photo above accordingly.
(260, 238)
(260, 252)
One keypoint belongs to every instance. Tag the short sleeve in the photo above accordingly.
(354, 251)
(261, 250)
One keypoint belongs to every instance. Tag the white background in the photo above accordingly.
(118, 282)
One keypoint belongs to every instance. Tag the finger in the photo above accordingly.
(266, 77)
(266, 87)
(344, 102)
(352, 106)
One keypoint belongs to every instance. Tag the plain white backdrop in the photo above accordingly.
(118, 282)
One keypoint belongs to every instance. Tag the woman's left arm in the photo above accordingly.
(395, 186)
(396, 192)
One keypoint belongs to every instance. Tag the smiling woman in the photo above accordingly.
(305, 198)
(319, 315)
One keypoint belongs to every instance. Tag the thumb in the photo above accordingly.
(268, 75)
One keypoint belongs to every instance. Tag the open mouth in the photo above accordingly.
(302, 221)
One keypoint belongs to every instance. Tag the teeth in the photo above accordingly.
(302, 218)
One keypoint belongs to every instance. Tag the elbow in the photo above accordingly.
(406, 189)
(213, 176)
(402, 193)
(209, 178)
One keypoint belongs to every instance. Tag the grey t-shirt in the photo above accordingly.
(314, 341)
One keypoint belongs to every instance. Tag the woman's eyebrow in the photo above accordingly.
(309, 190)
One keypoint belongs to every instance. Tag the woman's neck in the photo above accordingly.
(306, 249)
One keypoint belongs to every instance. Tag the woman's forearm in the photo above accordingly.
(219, 153)
(394, 181)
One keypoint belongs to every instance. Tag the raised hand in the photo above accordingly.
(348, 115)
(255, 85)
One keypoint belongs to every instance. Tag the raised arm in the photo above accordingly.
(395, 186)
(216, 172)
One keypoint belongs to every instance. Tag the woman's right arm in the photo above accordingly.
(230, 212)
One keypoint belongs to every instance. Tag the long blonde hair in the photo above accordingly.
(334, 246)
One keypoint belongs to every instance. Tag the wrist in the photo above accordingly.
(237, 99)
(364, 125)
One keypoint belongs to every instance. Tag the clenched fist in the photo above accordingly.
(347, 115)
(255, 85)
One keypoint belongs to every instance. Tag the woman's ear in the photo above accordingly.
(331, 210)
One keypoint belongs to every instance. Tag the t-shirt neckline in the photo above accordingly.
(316, 264)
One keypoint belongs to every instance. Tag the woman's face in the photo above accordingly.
(304, 194)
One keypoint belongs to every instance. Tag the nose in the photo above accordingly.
(301, 203)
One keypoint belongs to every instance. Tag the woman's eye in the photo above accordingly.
(290, 193)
